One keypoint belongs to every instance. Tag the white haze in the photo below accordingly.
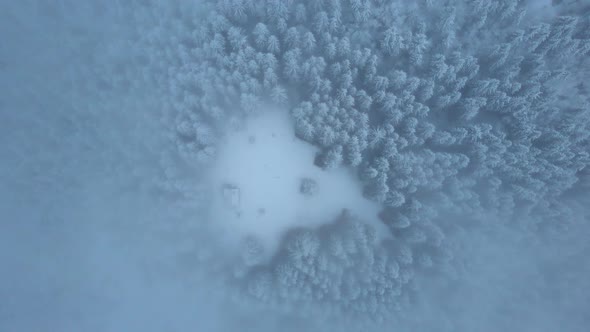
(82, 246)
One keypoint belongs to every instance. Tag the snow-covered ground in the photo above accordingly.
(267, 162)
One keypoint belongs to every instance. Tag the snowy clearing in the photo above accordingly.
(267, 163)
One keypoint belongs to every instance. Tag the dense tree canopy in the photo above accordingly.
(446, 112)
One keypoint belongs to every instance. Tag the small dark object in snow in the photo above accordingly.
(231, 196)
(309, 187)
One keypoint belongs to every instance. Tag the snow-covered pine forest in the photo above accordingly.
(410, 165)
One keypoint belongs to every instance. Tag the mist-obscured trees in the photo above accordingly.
(467, 107)
(341, 268)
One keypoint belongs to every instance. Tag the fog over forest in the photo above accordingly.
(295, 165)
